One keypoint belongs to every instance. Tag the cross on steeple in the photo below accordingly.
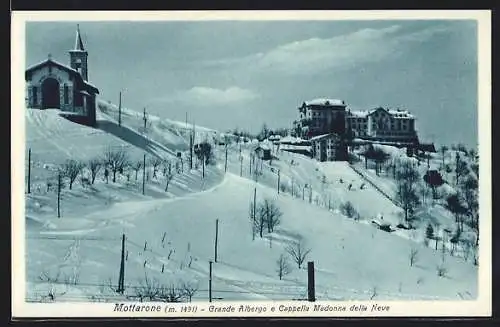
(50, 56)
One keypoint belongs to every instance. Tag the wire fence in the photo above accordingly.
(93, 291)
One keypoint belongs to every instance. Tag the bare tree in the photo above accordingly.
(189, 289)
(148, 289)
(380, 157)
(454, 205)
(52, 280)
(72, 169)
(94, 165)
(284, 267)
(169, 173)
(470, 197)
(443, 150)
(413, 256)
(461, 169)
(155, 163)
(116, 160)
(170, 293)
(298, 252)
(136, 166)
(407, 178)
(269, 215)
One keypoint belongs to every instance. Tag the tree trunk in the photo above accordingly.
(114, 176)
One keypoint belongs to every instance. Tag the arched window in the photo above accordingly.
(34, 91)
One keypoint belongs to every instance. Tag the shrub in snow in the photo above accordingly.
(441, 270)
(347, 209)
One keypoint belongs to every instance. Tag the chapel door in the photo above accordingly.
(50, 94)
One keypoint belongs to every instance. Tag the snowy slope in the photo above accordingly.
(351, 258)
(174, 231)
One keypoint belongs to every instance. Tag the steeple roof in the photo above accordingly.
(78, 40)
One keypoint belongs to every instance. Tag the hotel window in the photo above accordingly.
(66, 94)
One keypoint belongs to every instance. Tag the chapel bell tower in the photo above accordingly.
(78, 56)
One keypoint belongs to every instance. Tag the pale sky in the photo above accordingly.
(229, 74)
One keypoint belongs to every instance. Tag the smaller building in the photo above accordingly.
(262, 151)
(328, 147)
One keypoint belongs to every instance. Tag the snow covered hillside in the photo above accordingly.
(170, 230)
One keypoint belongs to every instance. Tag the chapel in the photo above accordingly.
(54, 85)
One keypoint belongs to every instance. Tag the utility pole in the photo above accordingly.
(191, 144)
(120, 110)
(254, 212)
(121, 277)
(310, 282)
(210, 283)
(278, 181)
(59, 186)
(225, 164)
(216, 236)
(250, 161)
(29, 171)
(241, 165)
(143, 174)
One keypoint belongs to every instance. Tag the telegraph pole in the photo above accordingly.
(310, 282)
(225, 164)
(59, 186)
(120, 110)
(216, 237)
(29, 170)
(278, 181)
(210, 283)
(254, 204)
(241, 165)
(143, 173)
(121, 277)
